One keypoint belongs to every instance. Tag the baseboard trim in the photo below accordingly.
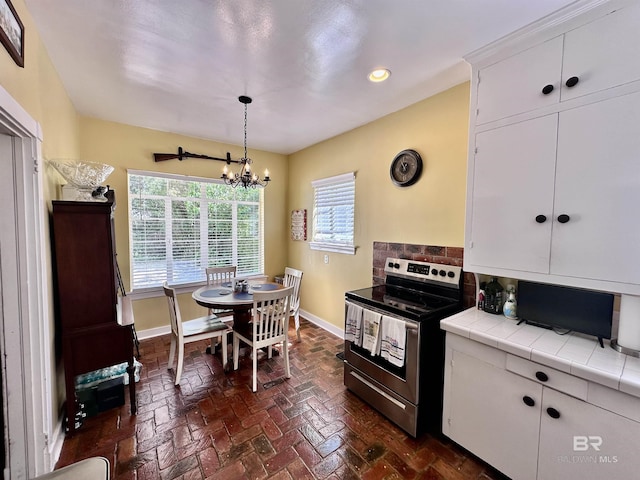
(329, 327)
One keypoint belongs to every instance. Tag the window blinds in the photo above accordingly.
(333, 213)
(180, 225)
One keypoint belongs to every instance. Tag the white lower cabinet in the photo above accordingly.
(527, 430)
(489, 418)
(585, 441)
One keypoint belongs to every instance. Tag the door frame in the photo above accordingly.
(25, 324)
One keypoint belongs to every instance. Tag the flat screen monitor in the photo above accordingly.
(575, 309)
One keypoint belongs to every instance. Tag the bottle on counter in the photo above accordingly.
(481, 296)
(493, 297)
(510, 305)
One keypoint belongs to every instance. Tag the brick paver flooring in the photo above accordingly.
(213, 427)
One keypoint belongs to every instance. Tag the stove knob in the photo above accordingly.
(442, 273)
(451, 274)
(390, 265)
(396, 265)
(434, 272)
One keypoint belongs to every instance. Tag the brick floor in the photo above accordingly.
(213, 427)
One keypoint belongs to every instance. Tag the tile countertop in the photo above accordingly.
(574, 353)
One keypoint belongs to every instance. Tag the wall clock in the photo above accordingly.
(406, 168)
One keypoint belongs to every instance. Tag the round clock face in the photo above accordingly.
(406, 168)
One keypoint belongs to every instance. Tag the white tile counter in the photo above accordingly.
(574, 353)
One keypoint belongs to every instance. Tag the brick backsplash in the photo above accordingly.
(423, 253)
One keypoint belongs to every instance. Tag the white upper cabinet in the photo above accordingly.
(598, 189)
(516, 84)
(597, 56)
(553, 179)
(602, 54)
(507, 200)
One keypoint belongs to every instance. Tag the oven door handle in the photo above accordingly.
(408, 325)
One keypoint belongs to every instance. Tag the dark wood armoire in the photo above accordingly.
(87, 283)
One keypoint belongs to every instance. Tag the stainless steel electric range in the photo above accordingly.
(406, 388)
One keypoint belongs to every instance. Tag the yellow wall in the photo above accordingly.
(126, 147)
(429, 212)
(38, 89)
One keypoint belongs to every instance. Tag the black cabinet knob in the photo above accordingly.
(541, 218)
(553, 413)
(543, 377)
(572, 82)
(547, 89)
(563, 218)
(528, 401)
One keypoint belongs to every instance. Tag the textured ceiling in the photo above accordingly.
(179, 66)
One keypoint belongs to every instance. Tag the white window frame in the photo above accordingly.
(145, 292)
(347, 198)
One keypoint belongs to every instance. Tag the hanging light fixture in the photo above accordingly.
(244, 178)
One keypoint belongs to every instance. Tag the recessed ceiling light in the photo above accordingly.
(379, 75)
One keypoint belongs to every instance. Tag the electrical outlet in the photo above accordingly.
(326, 259)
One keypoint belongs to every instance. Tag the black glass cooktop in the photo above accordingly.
(405, 302)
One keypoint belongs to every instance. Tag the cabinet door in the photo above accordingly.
(513, 178)
(514, 85)
(603, 53)
(598, 187)
(489, 418)
(585, 442)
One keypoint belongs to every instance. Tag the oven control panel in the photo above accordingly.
(424, 271)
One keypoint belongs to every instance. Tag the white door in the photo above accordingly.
(489, 418)
(603, 53)
(598, 187)
(515, 85)
(585, 441)
(513, 181)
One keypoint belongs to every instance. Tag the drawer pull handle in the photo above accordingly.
(553, 413)
(528, 401)
(543, 377)
(541, 218)
(547, 89)
(572, 82)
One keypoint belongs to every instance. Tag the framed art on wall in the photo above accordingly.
(299, 225)
(12, 32)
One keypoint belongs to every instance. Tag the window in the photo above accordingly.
(333, 213)
(180, 225)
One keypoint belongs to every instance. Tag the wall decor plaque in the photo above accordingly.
(299, 224)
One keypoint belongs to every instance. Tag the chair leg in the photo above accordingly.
(180, 362)
(223, 342)
(236, 349)
(296, 318)
(255, 368)
(285, 352)
(172, 352)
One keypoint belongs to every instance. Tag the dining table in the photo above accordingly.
(224, 296)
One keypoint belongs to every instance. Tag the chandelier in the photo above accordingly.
(245, 177)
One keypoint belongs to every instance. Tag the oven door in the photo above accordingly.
(402, 381)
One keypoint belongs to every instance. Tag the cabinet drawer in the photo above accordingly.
(576, 387)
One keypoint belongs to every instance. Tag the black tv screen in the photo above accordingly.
(553, 306)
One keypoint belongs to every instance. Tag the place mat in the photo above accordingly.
(215, 292)
(265, 287)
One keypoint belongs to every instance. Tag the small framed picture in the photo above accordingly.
(299, 225)
(12, 32)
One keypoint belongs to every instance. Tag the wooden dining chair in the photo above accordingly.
(269, 326)
(202, 328)
(219, 276)
(293, 278)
